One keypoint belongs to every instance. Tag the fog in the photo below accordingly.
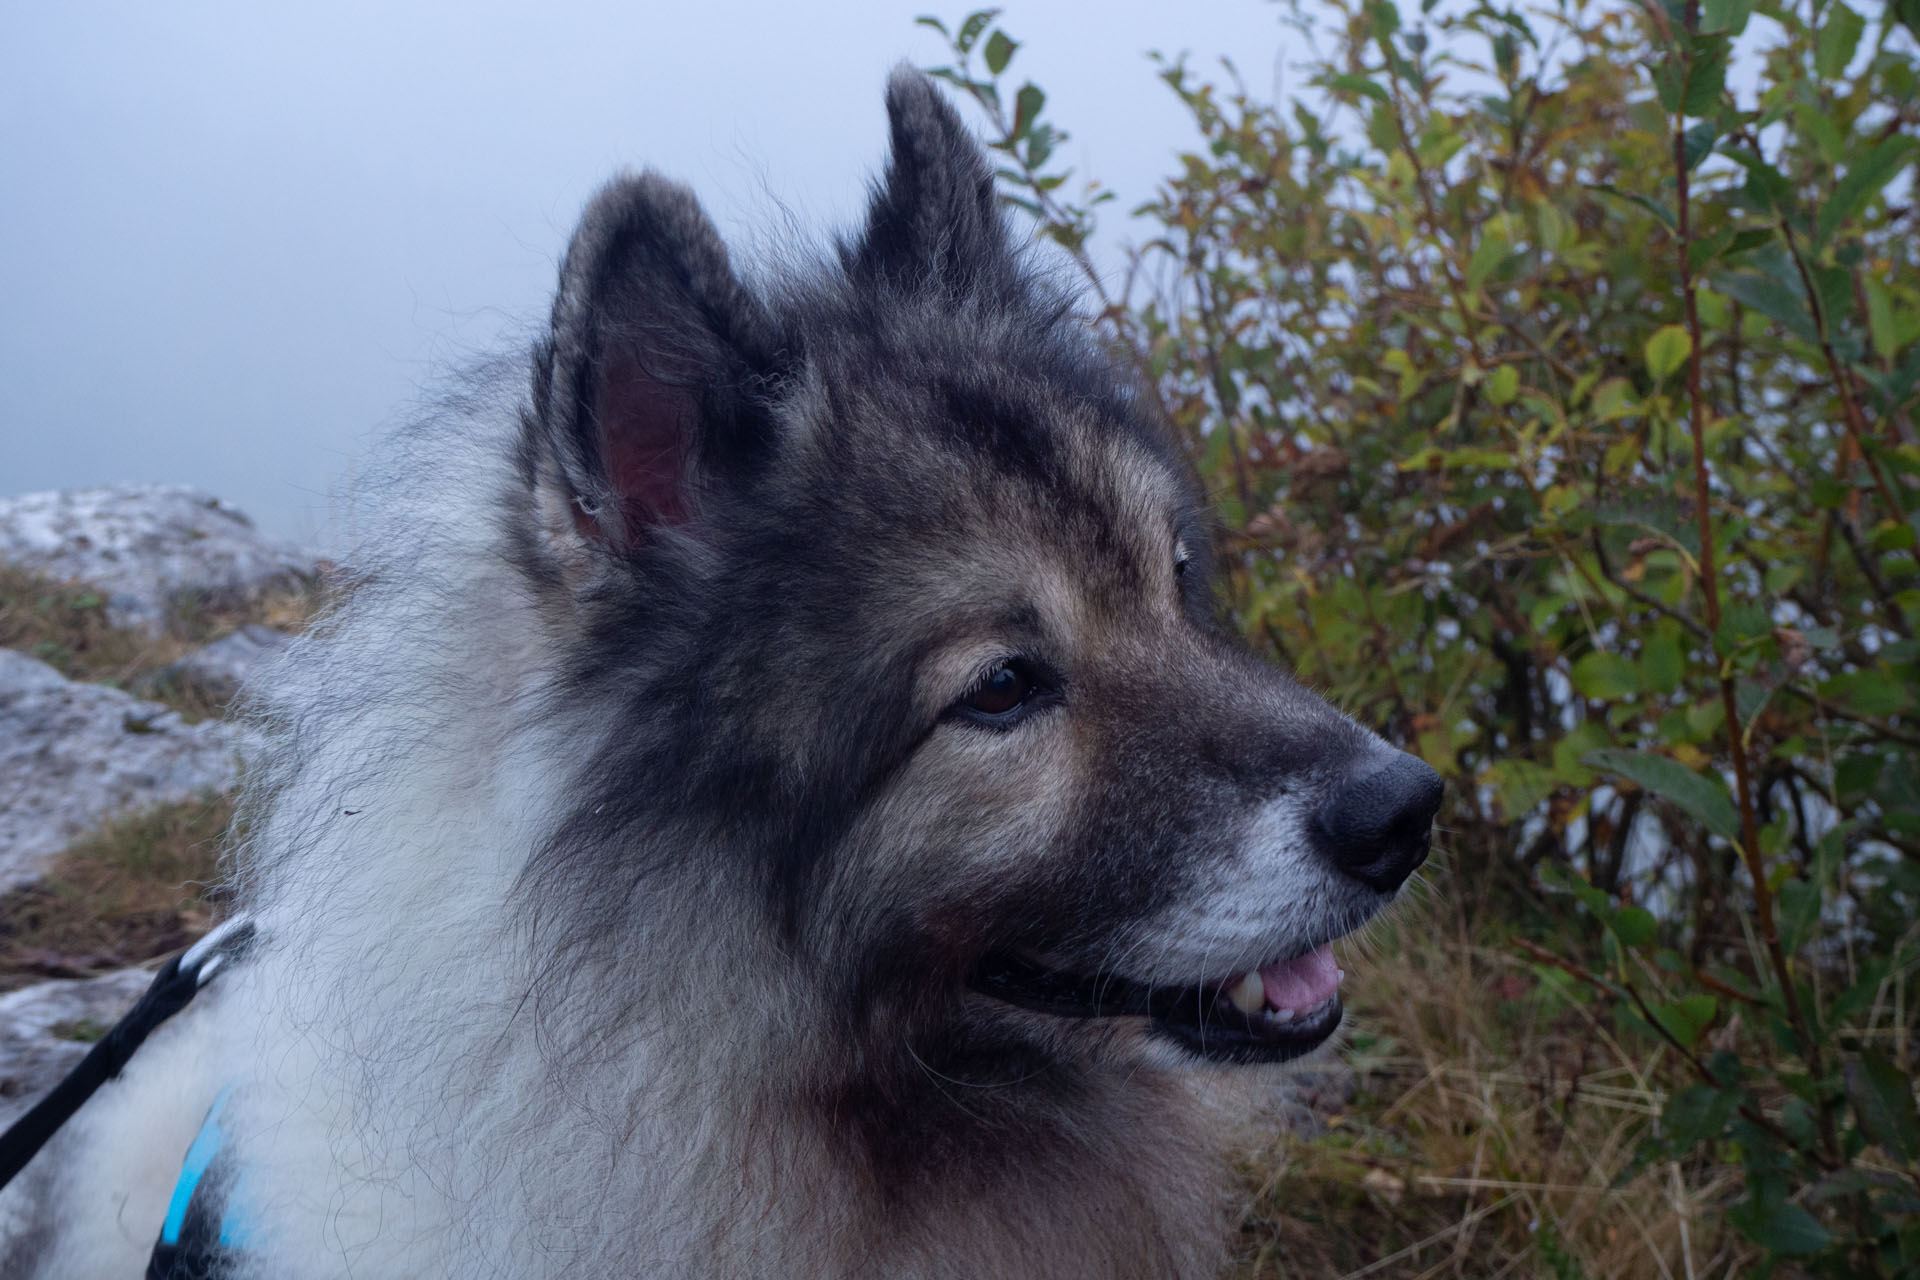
(238, 241)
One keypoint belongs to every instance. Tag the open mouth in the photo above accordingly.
(1269, 1014)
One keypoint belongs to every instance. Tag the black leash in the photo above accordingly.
(172, 988)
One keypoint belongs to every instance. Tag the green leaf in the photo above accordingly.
(1612, 399)
(1880, 325)
(1770, 298)
(1729, 16)
(1521, 784)
(1874, 692)
(1866, 174)
(1658, 210)
(1635, 926)
(1855, 774)
(1882, 1097)
(1697, 143)
(1605, 677)
(1488, 254)
(1774, 1222)
(1667, 350)
(1742, 621)
(1766, 187)
(1026, 109)
(1669, 81)
(970, 29)
(1040, 142)
(1504, 55)
(1826, 492)
(1750, 238)
(1800, 1123)
(1865, 990)
(1350, 83)
(1696, 1114)
(1486, 459)
(1814, 121)
(1839, 36)
(1908, 11)
(1706, 75)
(1800, 903)
(1687, 1018)
(1000, 47)
(1703, 798)
(1663, 662)
(1503, 385)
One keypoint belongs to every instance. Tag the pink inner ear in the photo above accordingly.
(646, 428)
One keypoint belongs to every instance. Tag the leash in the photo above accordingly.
(176, 984)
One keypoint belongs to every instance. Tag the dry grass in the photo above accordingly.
(1492, 1136)
(137, 888)
(64, 624)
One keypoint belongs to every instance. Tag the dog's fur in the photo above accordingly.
(629, 845)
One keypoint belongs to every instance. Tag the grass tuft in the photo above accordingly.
(137, 888)
(64, 624)
(1491, 1135)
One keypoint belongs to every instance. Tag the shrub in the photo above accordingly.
(1557, 372)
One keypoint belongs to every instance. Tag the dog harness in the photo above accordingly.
(207, 1219)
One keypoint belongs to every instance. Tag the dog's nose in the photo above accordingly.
(1376, 827)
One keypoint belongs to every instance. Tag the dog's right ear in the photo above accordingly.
(643, 390)
(935, 218)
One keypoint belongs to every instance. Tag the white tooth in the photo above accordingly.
(1249, 995)
(1342, 975)
(1283, 1015)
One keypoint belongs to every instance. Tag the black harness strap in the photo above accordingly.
(172, 988)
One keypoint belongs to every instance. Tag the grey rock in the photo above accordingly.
(46, 1029)
(145, 547)
(222, 667)
(72, 755)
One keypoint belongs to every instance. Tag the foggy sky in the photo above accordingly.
(236, 241)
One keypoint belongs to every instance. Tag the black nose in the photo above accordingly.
(1377, 826)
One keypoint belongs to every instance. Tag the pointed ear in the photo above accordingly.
(641, 391)
(935, 220)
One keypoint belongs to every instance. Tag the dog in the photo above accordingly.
(777, 799)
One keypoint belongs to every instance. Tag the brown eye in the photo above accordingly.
(1005, 688)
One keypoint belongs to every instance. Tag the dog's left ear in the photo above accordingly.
(935, 220)
(645, 393)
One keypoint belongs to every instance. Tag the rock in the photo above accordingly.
(148, 548)
(46, 1029)
(223, 666)
(72, 755)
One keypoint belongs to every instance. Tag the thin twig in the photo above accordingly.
(1710, 588)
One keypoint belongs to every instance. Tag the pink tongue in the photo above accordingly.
(1303, 983)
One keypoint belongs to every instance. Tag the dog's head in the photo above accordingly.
(896, 601)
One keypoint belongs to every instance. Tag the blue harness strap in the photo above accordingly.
(207, 1219)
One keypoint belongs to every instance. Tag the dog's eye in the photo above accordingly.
(1180, 559)
(1004, 690)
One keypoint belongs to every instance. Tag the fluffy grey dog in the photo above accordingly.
(776, 801)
